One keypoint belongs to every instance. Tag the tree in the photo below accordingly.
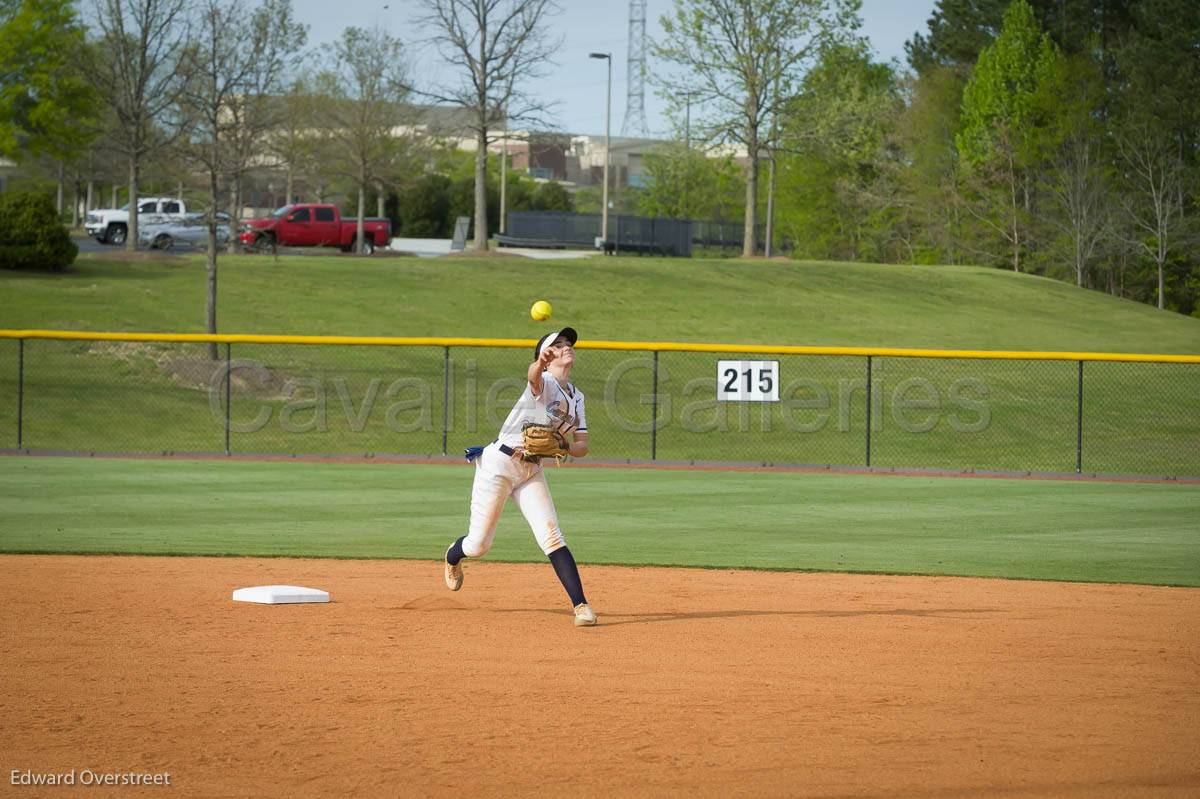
(236, 57)
(929, 167)
(292, 141)
(497, 46)
(960, 29)
(688, 183)
(1076, 176)
(275, 38)
(837, 151)
(47, 107)
(958, 32)
(740, 59)
(426, 213)
(1156, 125)
(134, 67)
(1157, 191)
(551, 196)
(1001, 124)
(365, 89)
(1159, 64)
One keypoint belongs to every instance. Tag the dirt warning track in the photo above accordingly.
(696, 682)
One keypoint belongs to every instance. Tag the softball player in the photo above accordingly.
(501, 470)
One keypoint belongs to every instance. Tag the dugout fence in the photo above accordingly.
(665, 402)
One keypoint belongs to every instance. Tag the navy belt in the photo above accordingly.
(510, 452)
(472, 453)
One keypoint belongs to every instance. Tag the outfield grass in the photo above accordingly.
(1052, 530)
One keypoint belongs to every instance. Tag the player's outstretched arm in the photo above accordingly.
(579, 445)
(534, 374)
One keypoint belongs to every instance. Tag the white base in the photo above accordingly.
(279, 595)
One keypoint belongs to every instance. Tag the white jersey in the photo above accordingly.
(558, 406)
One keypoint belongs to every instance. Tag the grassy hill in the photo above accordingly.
(777, 302)
(956, 414)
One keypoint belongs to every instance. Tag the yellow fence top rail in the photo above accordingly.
(632, 346)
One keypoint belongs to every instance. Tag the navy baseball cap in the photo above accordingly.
(567, 332)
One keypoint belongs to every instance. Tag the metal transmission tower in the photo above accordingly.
(635, 103)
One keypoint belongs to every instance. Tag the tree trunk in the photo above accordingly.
(481, 222)
(767, 248)
(379, 201)
(750, 231)
(955, 221)
(504, 177)
(58, 199)
(235, 197)
(362, 210)
(113, 204)
(1161, 293)
(91, 196)
(291, 184)
(75, 205)
(210, 304)
(1016, 233)
(235, 201)
(131, 230)
(1078, 261)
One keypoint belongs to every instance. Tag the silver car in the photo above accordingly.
(191, 232)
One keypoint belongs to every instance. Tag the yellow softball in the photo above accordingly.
(540, 311)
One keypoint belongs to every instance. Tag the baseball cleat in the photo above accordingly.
(584, 615)
(454, 573)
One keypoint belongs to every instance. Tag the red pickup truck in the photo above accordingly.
(314, 225)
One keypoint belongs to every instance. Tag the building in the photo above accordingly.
(576, 160)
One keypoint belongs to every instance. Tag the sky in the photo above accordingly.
(576, 82)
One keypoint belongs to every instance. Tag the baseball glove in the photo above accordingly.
(544, 442)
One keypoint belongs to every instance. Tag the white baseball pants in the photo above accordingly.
(498, 477)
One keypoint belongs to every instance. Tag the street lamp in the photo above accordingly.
(607, 143)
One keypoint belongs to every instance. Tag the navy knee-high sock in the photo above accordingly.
(568, 574)
(455, 553)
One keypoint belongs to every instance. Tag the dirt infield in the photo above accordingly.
(715, 683)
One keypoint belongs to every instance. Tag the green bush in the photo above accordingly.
(552, 196)
(31, 235)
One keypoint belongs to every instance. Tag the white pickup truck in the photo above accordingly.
(111, 225)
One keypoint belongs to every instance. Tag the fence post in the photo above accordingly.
(654, 413)
(869, 403)
(445, 398)
(20, 391)
(228, 392)
(1079, 422)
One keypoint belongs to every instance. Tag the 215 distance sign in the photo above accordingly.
(748, 381)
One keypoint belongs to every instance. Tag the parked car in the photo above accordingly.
(191, 231)
(111, 225)
(314, 225)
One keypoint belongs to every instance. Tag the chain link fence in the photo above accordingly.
(433, 398)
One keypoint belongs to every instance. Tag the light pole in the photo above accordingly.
(504, 174)
(687, 125)
(687, 156)
(607, 143)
